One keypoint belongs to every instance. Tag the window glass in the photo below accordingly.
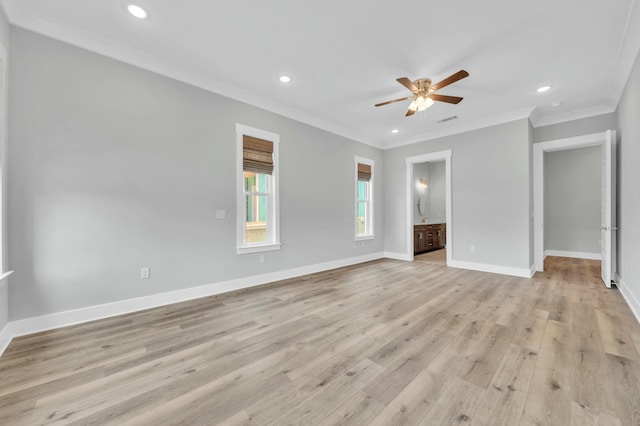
(257, 202)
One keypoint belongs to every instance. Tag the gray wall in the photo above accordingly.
(628, 178)
(572, 199)
(437, 193)
(114, 168)
(4, 285)
(581, 127)
(490, 194)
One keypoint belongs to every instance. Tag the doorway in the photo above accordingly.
(606, 141)
(415, 210)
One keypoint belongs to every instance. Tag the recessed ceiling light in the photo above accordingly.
(137, 11)
(285, 79)
(543, 89)
(556, 104)
(395, 131)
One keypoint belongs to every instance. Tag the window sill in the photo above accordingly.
(364, 237)
(258, 248)
(5, 275)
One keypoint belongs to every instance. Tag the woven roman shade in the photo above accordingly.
(257, 155)
(364, 172)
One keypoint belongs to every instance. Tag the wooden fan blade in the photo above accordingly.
(395, 100)
(408, 84)
(444, 98)
(409, 112)
(451, 79)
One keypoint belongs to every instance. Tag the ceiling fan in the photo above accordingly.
(424, 92)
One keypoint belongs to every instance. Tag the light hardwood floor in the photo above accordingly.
(382, 343)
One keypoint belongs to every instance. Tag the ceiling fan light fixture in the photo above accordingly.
(421, 103)
(424, 93)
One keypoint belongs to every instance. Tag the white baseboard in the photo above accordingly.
(573, 254)
(629, 297)
(5, 339)
(495, 269)
(397, 256)
(92, 313)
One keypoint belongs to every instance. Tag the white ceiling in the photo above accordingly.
(344, 56)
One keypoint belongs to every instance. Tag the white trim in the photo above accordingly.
(538, 183)
(371, 234)
(571, 115)
(5, 338)
(632, 301)
(258, 248)
(273, 230)
(5, 275)
(573, 254)
(426, 158)
(494, 269)
(92, 313)
(464, 127)
(397, 256)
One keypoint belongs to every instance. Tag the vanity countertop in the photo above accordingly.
(430, 222)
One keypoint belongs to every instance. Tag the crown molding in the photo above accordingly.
(121, 52)
(627, 53)
(537, 121)
(20, 17)
(8, 9)
(465, 127)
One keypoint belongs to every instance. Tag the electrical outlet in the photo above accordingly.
(624, 264)
(221, 214)
(472, 249)
(145, 273)
(262, 258)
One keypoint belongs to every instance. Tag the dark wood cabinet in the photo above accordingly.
(429, 237)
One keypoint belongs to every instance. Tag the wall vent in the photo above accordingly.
(444, 120)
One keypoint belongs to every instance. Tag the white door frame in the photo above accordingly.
(429, 158)
(595, 139)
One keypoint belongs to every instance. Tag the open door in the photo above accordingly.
(608, 228)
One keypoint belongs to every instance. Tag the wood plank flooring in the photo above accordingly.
(382, 343)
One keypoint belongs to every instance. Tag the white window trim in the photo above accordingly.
(371, 235)
(274, 207)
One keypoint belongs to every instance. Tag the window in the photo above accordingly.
(364, 198)
(257, 208)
